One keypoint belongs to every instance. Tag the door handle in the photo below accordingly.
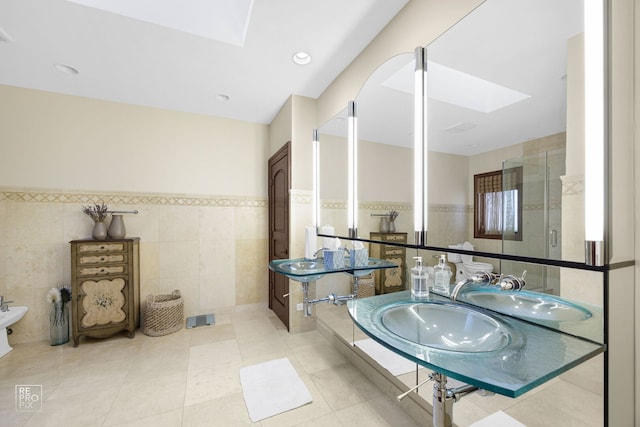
(553, 234)
(285, 296)
(284, 253)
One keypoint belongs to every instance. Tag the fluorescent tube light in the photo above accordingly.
(594, 130)
(352, 204)
(420, 175)
(316, 180)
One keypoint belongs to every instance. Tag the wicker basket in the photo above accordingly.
(366, 287)
(164, 314)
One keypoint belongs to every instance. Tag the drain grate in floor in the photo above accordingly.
(201, 320)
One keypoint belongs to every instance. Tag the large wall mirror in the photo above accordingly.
(385, 144)
(505, 93)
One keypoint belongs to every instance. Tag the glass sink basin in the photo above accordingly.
(305, 270)
(360, 273)
(301, 271)
(528, 305)
(452, 327)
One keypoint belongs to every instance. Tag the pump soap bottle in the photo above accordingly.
(419, 276)
(442, 274)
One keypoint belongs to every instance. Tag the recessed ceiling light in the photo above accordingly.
(222, 97)
(301, 58)
(67, 69)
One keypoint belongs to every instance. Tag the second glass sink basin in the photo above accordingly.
(452, 327)
(360, 273)
(302, 271)
(528, 305)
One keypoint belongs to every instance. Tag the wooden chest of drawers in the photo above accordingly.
(389, 279)
(105, 287)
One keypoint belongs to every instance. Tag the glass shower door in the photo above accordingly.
(540, 235)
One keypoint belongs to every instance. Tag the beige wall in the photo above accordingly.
(71, 143)
(281, 128)
(202, 220)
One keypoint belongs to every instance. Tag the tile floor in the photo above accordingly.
(190, 378)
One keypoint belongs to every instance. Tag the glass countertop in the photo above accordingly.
(537, 355)
(301, 267)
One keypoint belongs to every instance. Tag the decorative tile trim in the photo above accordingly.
(386, 206)
(301, 197)
(572, 185)
(540, 206)
(333, 204)
(464, 209)
(43, 196)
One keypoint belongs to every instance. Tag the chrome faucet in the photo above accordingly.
(506, 283)
(4, 305)
(481, 277)
(315, 255)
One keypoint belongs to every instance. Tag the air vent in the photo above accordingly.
(4, 37)
(460, 127)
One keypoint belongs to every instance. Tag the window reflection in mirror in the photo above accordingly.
(502, 90)
(498, 204)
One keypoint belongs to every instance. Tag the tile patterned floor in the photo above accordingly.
(190, 378)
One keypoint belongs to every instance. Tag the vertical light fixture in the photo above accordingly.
(352, 204)
(420, 175)
(594, 55)
(315, 202)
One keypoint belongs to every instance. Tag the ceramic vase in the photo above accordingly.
(116, 228)
(59, 323)
(384, 224)
(392, 226)
(99, 231)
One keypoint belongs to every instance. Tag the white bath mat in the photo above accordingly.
(272, 387)
(498, 419)
(389, 360)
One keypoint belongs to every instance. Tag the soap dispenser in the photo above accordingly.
(442, 274)
(419, 276)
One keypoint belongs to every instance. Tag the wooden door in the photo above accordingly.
(279, 184)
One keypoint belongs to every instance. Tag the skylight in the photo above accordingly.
(455, 87)
(221, 20)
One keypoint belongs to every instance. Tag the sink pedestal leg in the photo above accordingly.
(442, 402)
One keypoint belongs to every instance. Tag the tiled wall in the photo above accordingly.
(214, 249)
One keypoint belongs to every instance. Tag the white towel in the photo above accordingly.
(272, 387)
(498, 419)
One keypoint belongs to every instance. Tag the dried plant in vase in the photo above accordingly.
(59, 316)
(98, 214)
(392, 217)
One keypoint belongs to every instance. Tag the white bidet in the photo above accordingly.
(8, 318)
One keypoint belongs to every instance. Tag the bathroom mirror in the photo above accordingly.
(535, 80)
(333, 179)
(503, 94)
(499, 91)
(385, 157)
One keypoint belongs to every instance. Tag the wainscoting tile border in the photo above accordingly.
(44, 196)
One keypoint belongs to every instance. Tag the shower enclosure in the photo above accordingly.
(540, 235)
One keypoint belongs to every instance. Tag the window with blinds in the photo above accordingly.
(498, 204)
